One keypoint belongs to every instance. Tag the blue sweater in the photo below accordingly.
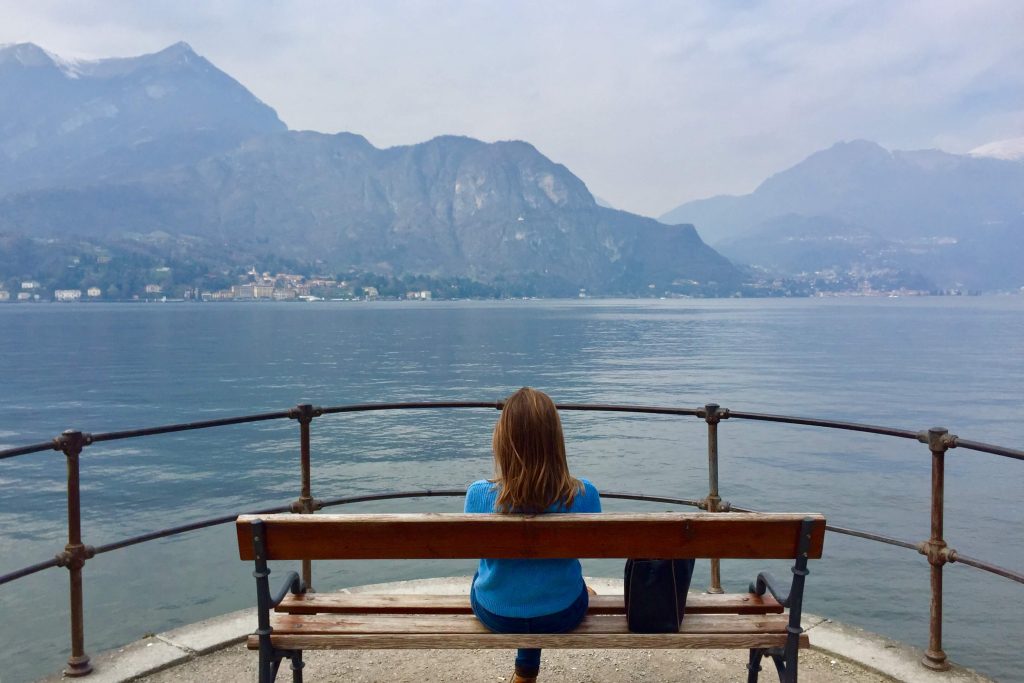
(528, 588)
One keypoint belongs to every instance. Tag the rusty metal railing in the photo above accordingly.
(76, 553)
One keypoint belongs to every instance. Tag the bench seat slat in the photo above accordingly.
(576, 641)
(464, 623)
(369, 603)
(323, 624)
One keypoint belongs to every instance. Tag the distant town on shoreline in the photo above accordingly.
(265, 286)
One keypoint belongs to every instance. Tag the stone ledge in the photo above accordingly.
(212, 634)
(890, 657)
(127, 663)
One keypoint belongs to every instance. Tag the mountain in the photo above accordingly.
(69, 123)
(858, 206)
(168, 145)
(450, 207)
(917, 194)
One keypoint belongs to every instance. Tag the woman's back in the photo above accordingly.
(528, 588)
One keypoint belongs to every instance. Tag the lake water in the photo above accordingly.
(909, 363)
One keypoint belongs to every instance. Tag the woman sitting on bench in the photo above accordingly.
(531, 477)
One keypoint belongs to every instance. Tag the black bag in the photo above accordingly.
(655, 593)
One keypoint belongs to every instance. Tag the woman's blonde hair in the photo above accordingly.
(529, 455)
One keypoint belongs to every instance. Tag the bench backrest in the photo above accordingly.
(450, 536)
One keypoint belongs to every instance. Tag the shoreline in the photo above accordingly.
(842, 294)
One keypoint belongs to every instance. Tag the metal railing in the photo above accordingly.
(76, 553)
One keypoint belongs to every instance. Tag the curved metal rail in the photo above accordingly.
(55, 444)
(76, 553)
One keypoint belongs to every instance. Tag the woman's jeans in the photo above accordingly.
(528, 659)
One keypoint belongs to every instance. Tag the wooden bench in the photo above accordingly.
(753, 621)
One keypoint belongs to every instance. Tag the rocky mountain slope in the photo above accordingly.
(450, 207)
(66, 123)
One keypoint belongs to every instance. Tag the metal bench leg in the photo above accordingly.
(271, 664)
(786, 675)
(788, 662)
(754, 665)
(297, 665)
(787, 658)
(274, 666)
(270, 656)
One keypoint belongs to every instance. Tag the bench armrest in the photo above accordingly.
(292, 584)
(767, 581)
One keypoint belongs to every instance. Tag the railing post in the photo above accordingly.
(306, 504)
(712, 414)
(939, 440)
(75, 553)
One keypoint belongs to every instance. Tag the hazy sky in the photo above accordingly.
(651, 103)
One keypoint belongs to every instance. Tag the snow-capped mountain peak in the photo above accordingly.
(1010, 150)
(31, 55)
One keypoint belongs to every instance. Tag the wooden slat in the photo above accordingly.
(368, 603)
(467, 624)
(450, 536)
(576, 641)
